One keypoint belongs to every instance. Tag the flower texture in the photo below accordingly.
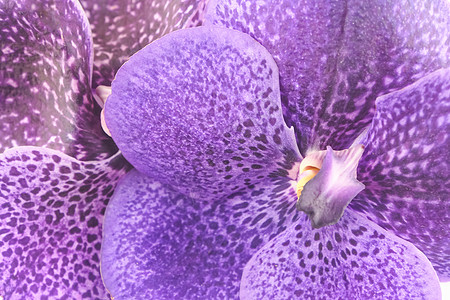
(286, 149)
(272, 109)
(58, 169)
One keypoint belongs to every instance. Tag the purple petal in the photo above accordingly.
(159, 244)
(405, 167)
(199, 109)
(353, 259)
(336, 57)
(120, 28)
(52, 210)
(45, 76)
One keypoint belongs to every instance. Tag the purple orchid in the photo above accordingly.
(58, 169)
(335, 109)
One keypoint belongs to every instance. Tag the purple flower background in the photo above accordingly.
(213, 109)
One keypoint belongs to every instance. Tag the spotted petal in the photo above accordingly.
(159, 244)
(336, 57)
(353, 259)
(52, 210)
(405, 167)
(120, 28)
(199, 109)
(45, 76)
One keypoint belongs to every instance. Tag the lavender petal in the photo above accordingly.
(199, 109)
(405, 167)
(159, 244)
(121, 28)
(337, 57)
(353, 259)
(45, 77)
(52, 210)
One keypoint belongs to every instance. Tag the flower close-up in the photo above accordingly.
(224, 149)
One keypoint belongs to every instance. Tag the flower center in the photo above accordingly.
(327, 183)
(304, 177)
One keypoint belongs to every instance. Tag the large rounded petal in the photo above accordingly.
(122, 27)
(353, 259)
(45, 77)
(405, 167)
(159, 244)
(336, 57)
(52, 210)
(200, 110)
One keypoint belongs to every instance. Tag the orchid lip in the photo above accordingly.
(327, 183)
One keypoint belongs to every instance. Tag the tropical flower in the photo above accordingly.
(350, 114)
(58, 169)
(222, 169)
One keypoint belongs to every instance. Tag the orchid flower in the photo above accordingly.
(58, 169)
(286, 149)
(215, 207)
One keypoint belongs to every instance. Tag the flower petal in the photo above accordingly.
(52, 210)
(405, 167)
(120, 28)
(353, 259)
(336, 57)
(45, 76)
(159, 244)
(199, 109)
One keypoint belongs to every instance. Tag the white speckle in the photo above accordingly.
(427, 148)
(74, 85)
(25, 121)
(417, 67)
(14, 143)
(290, 13)
(441, 121)
(46, 86)
(7, 50)
(190, 7)
(12, 83)
(388, 80)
